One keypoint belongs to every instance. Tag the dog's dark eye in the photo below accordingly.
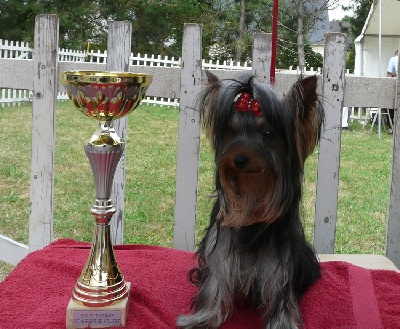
(268, 135)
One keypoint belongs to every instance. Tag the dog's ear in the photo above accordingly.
(302, 99)
(213, 82)
(208, 103)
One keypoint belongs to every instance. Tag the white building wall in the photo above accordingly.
(367, 61)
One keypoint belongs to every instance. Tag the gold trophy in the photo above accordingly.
(100, 296)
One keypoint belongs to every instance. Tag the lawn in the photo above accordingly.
(150, 180)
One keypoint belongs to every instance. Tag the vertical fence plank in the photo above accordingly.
(262, 46)
(118, 55)
(45, 83)
(393, 221)
(329, 147)
(189, 140)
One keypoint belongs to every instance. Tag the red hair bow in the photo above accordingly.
(244, 102)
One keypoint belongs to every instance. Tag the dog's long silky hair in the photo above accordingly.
(255, 245)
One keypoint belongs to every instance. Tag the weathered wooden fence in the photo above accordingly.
(184, 83)
(22, 51)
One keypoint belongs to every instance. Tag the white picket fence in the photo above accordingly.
(15, 49)
(23, 51)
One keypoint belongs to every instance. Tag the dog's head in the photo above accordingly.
(260, 141)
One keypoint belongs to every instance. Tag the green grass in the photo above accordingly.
(365, 167)
(150, 180)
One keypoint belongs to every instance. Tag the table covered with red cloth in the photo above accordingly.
(36, 293)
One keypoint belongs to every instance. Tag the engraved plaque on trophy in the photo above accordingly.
(101, 295)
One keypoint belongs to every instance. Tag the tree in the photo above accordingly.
(302, 17)
(300, 35)
(157, 24)
(287, 57)
(239, 19)
(79, 20)
(16, 20)
(228, 25)
(242, 17)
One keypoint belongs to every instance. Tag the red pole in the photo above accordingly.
(274, 40)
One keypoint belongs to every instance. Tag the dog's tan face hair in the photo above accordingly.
(253, 152)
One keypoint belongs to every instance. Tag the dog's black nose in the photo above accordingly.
(241, 161)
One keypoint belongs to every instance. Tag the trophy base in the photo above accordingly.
(79, 316)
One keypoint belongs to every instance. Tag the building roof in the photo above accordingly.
(390, 18)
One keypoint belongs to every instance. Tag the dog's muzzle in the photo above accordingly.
(241, 161)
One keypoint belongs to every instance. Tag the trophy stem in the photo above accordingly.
(101, 282)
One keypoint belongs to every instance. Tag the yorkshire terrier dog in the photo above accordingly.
(254, 246)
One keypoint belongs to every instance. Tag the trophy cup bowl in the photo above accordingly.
(105, 96)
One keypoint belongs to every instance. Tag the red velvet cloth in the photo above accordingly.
(36, 293)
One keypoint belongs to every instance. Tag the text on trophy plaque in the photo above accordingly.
(96, 318)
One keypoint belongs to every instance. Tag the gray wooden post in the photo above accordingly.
(329, 146)
(262, 47)
(189, 140)
(393, 221)
(43, 131)
(118, 57)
